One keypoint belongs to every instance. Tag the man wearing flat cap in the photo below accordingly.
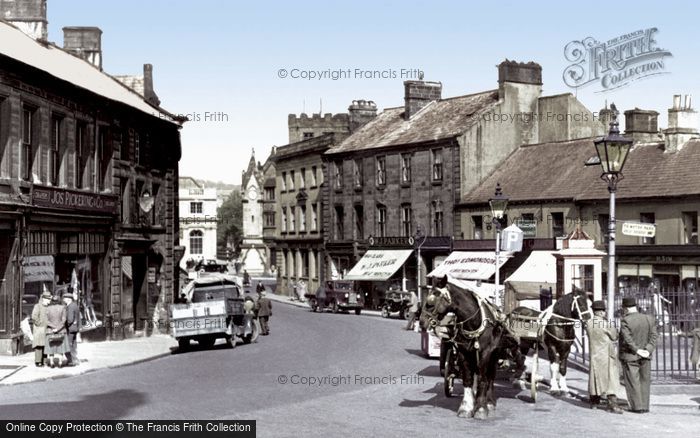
(637, 342)
(73, 326)
(604, 373)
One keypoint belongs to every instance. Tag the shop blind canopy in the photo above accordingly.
(379, 265)
(477, 265)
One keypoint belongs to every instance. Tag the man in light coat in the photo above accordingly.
(39, 323)
(604, 373)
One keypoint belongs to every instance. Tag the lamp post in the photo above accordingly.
(498, 207)
(612, 152)
(419, 242)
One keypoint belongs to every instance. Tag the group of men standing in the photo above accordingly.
(637, 340)
(55, 327)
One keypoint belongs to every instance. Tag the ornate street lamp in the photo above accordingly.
(612, 152)
(420, 240)
(498, 208)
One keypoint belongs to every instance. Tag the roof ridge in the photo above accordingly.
(495, 90)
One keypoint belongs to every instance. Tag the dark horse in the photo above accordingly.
(481, 340)
(558, 335)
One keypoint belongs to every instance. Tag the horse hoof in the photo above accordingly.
(491, 407)
(481, 414)
(462, 413)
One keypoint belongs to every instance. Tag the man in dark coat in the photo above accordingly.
(73, 326)
(637, 342)
(260, 288)
(264, 312)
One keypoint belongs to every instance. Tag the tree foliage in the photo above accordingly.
(230, 227)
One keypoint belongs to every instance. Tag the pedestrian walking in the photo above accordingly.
(246, 278)
(39, 322)
(637, 342)
(56, 345)
(259, 288)
(264, 312)
(72, 328)
(604, 372)
(413, 308)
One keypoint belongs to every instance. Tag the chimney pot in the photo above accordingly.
(676, 101)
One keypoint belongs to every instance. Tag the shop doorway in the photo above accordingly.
(140, 303)
(6, 279)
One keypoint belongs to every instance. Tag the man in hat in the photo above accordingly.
(73, 326)
(637, 341)
(604, 373)
(40, 322)
(264, 312)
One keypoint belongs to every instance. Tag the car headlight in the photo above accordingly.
(346, 295)
(359, 296)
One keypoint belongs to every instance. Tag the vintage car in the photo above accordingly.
(396, 301)
(214, 307)
(336, 295)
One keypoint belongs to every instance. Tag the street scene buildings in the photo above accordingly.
(416, 246)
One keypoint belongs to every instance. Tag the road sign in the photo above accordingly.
(638, 229)
(512, 239)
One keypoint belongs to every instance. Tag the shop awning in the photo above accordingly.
(634, 270)
(477, 265)
(379, 265)
(538, 271)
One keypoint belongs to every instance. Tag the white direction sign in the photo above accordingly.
(638, 229)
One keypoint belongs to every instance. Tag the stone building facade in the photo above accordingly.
(198, 221)
(88, 188)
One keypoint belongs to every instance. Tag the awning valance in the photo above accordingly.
(468, 265)
(379, 265)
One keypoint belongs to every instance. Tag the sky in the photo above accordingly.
(221, 61)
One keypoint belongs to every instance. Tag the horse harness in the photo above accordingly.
(469, 337)
(569, 321)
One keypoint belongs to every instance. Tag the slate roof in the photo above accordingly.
(441, 119)
(556, 171)
(60, 64)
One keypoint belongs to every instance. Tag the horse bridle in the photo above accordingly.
(444, 293)
(575, 306)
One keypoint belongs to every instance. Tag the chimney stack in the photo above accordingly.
(27, 15)
(642, 125)
(418, 94)
(514, 72)
(361, 112)
(84, 42)
(148, 93)
(682, 124)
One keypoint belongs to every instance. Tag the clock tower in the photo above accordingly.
(252, 249)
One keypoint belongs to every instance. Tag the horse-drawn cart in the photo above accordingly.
(528, 330)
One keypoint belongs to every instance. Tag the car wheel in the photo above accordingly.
(358, 311)
(253, 336)
(313, 304)
(231, 341)
(206, 342)
(385, 312)
(404, 314)
(183, 344)
(334, 307)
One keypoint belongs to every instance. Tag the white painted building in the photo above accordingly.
(198, 220)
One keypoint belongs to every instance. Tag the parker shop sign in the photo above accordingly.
(638, 229)
(73, 200)
(616, 62)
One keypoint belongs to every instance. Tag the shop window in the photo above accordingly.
(196, 207)
(127, 288)
(436, 159)
(81, 154)
(196, 242)
(557, 224)
(292, 219)
(314, 217)
(406, 225)
(359, 222)
(313, 176)
(648, 218)
(28, 137)
(55, 150)
(339, 223)
(478, 226)
(381, 171)
(338, 175)
(437, 218)
(302, 218)
(357, 173)
(603, 224)
(381, 221)
(405, 168)
(690, 227)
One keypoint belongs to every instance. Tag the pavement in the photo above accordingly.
(114, 354)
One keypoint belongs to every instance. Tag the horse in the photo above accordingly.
(481, 341)
(558, 335)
